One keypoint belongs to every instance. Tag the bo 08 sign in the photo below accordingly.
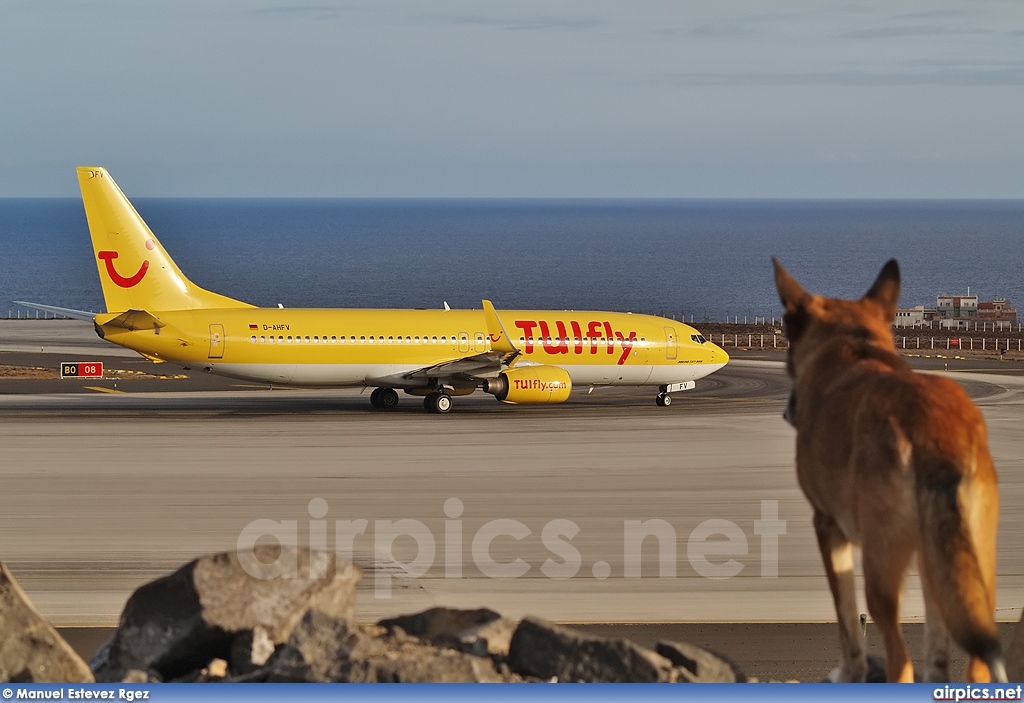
(81, 369)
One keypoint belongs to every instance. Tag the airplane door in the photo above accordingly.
(671, 344)
(478, 342)
(463, 342)
(216, 341)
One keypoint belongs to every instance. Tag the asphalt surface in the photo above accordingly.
(104, 491)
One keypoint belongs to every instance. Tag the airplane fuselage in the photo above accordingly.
(327, 347)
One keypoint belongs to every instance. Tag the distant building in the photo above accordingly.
(916, 316)
(957, 312)
(998, 310)
(957, 307)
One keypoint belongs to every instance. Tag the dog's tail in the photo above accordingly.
(958, 508)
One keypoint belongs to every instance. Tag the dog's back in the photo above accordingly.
(896, 462)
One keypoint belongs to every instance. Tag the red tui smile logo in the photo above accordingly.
(123, 281)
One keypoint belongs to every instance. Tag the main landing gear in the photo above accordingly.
(437, 402)
(387, 399)
(384, 398)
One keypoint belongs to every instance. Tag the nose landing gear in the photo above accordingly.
(664, 399)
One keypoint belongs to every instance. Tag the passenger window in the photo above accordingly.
(362, 340)
(307, 339)
(252, 339)
(280, 339)
(263, 340)
(334, 339)
(443, 339)
(289, 339)
(391, 340)
(434, 339)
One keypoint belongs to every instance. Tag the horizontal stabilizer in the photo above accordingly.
(66, 312)
(131, 320)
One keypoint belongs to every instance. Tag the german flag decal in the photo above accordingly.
(254, 327)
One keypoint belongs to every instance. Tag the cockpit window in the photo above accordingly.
(698, 338)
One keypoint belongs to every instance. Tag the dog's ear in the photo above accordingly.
(791, 293)
(886, 289)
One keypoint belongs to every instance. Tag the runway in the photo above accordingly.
(104, 491)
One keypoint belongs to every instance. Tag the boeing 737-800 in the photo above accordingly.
(519, 356)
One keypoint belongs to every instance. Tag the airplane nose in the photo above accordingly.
(718, 355)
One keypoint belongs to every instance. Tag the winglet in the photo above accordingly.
(500, 341)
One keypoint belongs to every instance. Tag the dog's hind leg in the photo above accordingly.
(837, 555)
(936, 634)
(885, 563)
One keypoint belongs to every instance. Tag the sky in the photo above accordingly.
(451, 98)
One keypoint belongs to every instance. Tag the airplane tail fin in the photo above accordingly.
(135, 271)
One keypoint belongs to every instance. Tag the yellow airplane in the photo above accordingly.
(519, 356)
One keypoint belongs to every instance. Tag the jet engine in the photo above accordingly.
(531, 384)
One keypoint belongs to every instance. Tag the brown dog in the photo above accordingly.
(897, 463)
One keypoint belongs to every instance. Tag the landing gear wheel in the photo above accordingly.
(663, 400)
(437, 403)
(375, 397)
(388, 398)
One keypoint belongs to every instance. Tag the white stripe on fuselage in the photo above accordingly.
(385, 374)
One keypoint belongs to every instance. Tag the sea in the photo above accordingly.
(699, 260)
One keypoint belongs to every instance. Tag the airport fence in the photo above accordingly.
(957, 344)
(32, 315)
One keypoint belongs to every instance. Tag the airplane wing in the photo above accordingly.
(66, 312)
(483, 365)
(473, 368)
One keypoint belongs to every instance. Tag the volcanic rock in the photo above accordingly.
(31, 651)
(548, 651)
(324, 648)
(179, 623)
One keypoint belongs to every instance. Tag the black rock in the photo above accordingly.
(701, 665)
(179, 623)
(548, 651)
